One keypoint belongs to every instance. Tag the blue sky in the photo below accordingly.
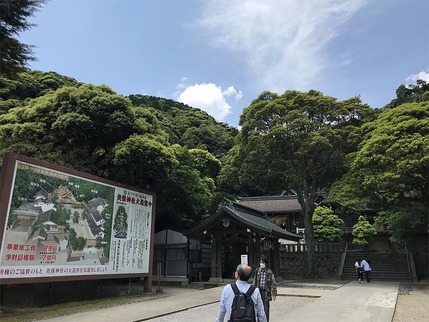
(220, 55)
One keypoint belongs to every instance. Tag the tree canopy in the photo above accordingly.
(13, 20)
(363, 232)
(327, 225)
(92, 129)
(390, 171)
(296, 140)
(304, 141)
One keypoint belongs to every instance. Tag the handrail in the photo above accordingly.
(408, 262)
(343, 260)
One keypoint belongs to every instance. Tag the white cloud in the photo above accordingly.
(230, 91)
(210, 98)
(282, 41)
(422, 75)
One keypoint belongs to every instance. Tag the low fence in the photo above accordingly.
(321, 248)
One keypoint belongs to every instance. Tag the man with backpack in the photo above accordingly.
(241, 301)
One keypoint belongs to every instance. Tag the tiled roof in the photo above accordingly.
(272, 204)
(249, 218)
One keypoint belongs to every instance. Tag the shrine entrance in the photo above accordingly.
(233, 248)
(236, 230)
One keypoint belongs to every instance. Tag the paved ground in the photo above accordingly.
(351, 302)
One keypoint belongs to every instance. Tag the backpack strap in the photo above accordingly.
(235, 289)
(250, 290)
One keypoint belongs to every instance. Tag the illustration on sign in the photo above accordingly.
(63, 225)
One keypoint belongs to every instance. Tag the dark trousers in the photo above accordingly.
(368, 276)
(360, 275)
(266, 305)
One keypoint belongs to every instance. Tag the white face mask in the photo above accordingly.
(261, 265)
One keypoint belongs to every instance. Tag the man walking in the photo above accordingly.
(242, 275)
(266, 282)
(367, 269)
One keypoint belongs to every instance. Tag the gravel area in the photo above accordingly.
(412, 303)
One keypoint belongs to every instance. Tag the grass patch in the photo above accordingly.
(22, 314)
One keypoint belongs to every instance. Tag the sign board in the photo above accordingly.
(244, 259)
(61, 224)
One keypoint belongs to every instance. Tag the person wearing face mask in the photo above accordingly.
(266, 282)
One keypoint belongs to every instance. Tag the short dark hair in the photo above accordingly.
(264, 259)
(242, 274)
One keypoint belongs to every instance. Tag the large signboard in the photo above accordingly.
(61, 224)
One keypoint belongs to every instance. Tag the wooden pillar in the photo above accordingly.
(216, 270)
(276, 257)
(251, 250)
(257, 249)
(213, 257)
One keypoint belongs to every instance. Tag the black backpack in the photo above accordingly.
(242, 306)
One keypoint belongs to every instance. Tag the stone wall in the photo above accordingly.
(294, 265)
(419, 246)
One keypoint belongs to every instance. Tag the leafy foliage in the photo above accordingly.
(413, 93)
(92, 129)
(13, 20)
(30, 84)
(189, 126)
(363, 231)
(390, 173)
(296, 140)
(206, 163)
(186, 195)
(327, 225)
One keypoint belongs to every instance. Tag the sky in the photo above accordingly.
(220, 55)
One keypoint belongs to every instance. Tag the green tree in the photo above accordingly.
(76, 127)
(92, 129)
(300, 141)
(413, 93)
(206, 163)
(81, 243)
(62, 220)
(143, 161)
(98, 242)
(326, 225)
(31, 84)
(186, 195)
(390, 172)
(13, 20)
(76, 216)
(189, 126)
(362, 232)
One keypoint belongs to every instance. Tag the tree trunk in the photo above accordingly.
(306, 200)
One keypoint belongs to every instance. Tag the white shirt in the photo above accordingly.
(366, 266)
(228, 296)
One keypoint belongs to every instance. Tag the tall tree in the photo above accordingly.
(299, 140)
(390, 172)
(13, 20)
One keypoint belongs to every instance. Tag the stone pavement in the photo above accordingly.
(374, 302)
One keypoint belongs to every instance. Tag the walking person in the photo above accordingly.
(366, 265)
(242, 275)
(266, 282)
(359, 269)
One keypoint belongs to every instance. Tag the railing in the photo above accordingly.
(408, 261)
(343, 260)
(321, 248)
(380, 229)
